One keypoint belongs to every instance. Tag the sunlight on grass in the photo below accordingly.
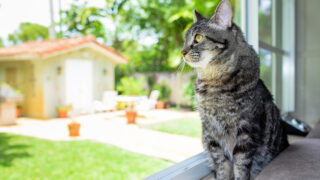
(30, 158)
(186, 127)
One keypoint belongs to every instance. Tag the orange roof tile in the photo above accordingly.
(51, 46)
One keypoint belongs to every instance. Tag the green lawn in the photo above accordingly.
(25, 158)
(186, 127)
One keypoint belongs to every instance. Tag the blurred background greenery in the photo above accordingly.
(149, 32)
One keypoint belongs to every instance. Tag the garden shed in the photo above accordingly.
(53, 73)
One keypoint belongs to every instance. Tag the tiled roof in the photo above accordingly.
(52, 46)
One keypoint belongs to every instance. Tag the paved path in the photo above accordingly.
(111, 128)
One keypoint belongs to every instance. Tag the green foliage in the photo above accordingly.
(188, 91)
(265, 25)
(150, 81)
(1, 43)
(83, 20)
(163, 21)
(5, 84)
(29, 32)
(164, 90)
(149, 32)
(265, 71)
(64, 108)
(16, 91)
(31, 158)
(131, 86)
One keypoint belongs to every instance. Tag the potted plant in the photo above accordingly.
(18, 92)
(74, 128)
(165, 92)
(18, 110)
(62, 111)
(131, 113)
(131, 86)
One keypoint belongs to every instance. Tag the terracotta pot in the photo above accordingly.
(131, 117)
(160, 105)
(62, 114)
(74, 129)
(18, 112)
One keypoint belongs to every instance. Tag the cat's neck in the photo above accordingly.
(231, 73)
(217, 71)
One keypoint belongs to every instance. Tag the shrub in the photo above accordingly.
(164, 90)
(188, 91)
(131, 86)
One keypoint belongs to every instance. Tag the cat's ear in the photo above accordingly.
(223, 15)
(197, 16)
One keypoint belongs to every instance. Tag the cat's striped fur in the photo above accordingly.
(241, 125)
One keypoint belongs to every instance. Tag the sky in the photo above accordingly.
(13, 12)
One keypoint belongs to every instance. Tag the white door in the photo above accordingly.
(79, 84)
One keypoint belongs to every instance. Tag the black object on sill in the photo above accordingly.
(294, 126)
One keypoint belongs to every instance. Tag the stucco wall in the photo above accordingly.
(308, 60)
(176, 81)
(53, 84)
(29, 81)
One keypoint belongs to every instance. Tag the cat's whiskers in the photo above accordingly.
(181, 65)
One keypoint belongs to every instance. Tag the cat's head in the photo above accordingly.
(209, 40)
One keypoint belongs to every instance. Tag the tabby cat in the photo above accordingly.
(241, 129)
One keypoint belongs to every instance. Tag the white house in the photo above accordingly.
(61, 72)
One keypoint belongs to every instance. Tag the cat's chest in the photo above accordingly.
(221, 111)
(221, 127)
(220, 104)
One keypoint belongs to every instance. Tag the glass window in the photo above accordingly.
(266, 67)
(276, 46)
(265, 21)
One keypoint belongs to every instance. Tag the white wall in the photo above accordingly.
(53, 84)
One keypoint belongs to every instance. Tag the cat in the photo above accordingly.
(241, 126)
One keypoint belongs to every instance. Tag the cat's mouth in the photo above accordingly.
(201, 60)
(192, 57)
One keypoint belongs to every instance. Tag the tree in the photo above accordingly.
(83, 20)
(165, 21)
(29, 32)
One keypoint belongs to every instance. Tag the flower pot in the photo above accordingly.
(19, 112)
(131, 117)
(74, 129)
(160, 105)
(62, 114)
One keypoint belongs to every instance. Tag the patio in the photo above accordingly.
(111, 128)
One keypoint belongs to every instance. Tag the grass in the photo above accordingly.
(186, 127)
(26, 158)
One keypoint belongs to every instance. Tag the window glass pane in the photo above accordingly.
(265, 21)
(266, 67)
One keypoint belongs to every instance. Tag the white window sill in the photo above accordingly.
(193, 168)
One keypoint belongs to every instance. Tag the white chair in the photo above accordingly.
(148, 103)
(109, 102)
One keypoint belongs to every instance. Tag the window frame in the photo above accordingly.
(283, 47)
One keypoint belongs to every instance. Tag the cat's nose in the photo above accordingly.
(184, 52)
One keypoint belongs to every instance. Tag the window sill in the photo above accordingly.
(190, 169)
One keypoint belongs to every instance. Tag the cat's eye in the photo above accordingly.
(198, 38)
